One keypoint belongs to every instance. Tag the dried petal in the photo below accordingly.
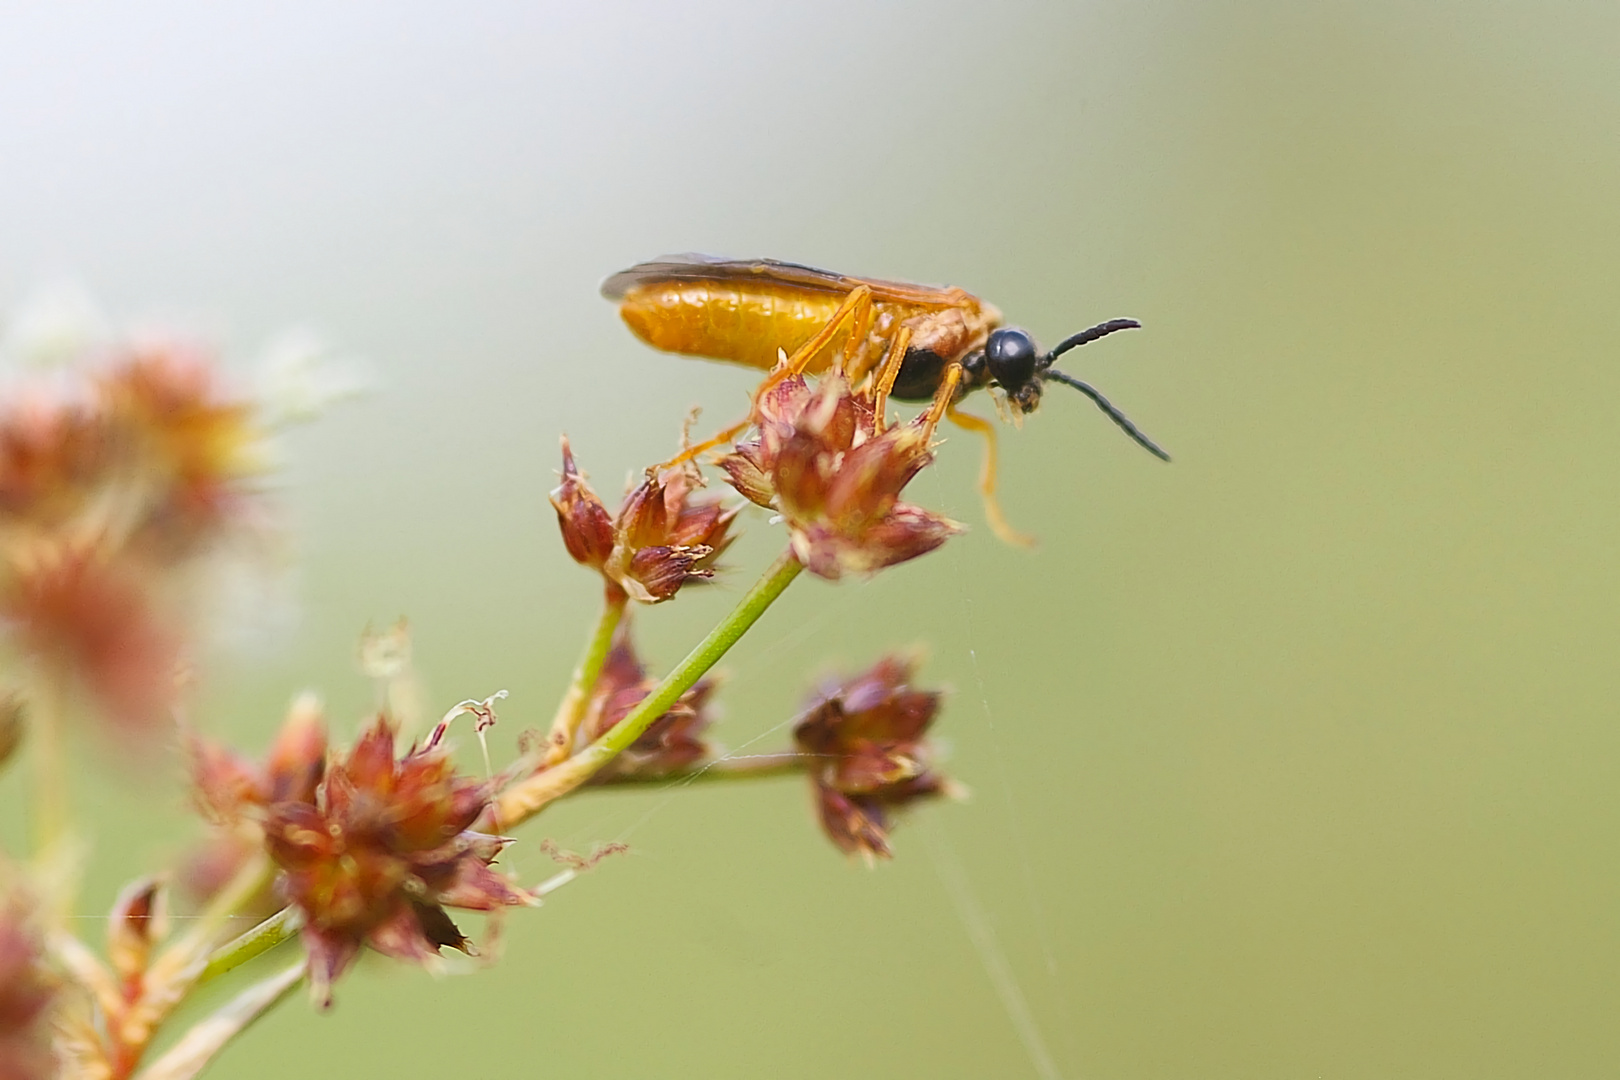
(298, 757)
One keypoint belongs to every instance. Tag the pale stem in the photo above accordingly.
(49, 704)
(188, 1057)
(571, 710)
(526, 798)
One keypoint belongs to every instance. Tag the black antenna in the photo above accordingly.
(1087, 336)
(1090, 391)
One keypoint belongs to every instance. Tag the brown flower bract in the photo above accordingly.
(867, 736)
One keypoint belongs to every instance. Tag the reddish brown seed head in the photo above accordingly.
(380, 854)
(867, 738)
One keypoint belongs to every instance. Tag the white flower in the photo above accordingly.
(55, 326)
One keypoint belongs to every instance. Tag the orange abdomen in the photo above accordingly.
(744, 323)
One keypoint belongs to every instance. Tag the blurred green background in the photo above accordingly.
(1294, 758)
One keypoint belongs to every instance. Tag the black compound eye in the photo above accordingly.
(1010, 356)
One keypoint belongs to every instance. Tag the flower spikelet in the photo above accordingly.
(871, 758)
(384, 848)
(818, 460)
(661, 538)
(673, 742)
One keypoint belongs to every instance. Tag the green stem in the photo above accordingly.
(237, 893)
(526, 798)
(753, 767)
(571, 710)
(280, 927)
(50, 764)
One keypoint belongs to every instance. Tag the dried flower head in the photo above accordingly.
(26, 995)
(673, 742)
(661, 538)
(867, 736)
(818, 461)
(380, 853)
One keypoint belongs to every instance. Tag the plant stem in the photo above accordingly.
(49, 702)
(280, 927)
(571, 710)
(752, 767)
(527, 797)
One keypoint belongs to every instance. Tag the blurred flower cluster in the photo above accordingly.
(118, 476)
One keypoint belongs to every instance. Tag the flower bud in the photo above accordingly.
(138, 921)
(587, 529)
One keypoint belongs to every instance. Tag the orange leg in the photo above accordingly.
(886, 377)
(944, 398)
(691, 452)
(855, 349)
(856, 309)
(987, 478)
